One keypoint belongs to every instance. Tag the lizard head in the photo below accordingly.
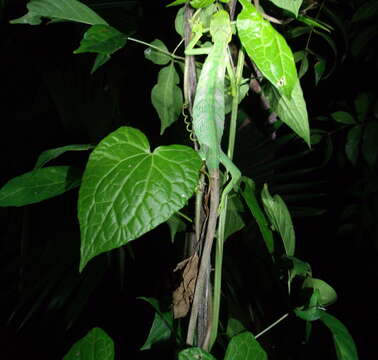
(220, 26)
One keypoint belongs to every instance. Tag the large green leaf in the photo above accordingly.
(51, 154)
(167, 97)
(250, 198)
(101, 39)
(96, 345)
(38, 185)
(195, 354)
(280, 219)
(344, 344)
(292, 6)
(267, 48)
(157, 57)
(245, 347)
(68, 10)
(128, 190)
(292, 111)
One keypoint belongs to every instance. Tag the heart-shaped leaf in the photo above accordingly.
(128, 190)
(39, 185)
(267, 48)
(245, 347)
(96, 345)
(167, 97)
(67, 10)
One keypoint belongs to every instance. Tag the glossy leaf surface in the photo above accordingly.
(96, 345)
(67, 10)
(267, 48)
(280, 218)
(167, 97)
(127, 190)
(38, 185)
(292, 111)
(344, 344)
(245, 347)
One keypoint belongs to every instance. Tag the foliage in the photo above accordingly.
(127, 190)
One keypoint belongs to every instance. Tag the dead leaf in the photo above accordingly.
(183, 295)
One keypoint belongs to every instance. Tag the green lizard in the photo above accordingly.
(208, 125)
(208, 108)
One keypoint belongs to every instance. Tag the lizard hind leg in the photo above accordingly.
(235, 177)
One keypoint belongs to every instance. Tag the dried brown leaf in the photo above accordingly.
(183, 295)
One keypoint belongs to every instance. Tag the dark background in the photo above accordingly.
(49, 99)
